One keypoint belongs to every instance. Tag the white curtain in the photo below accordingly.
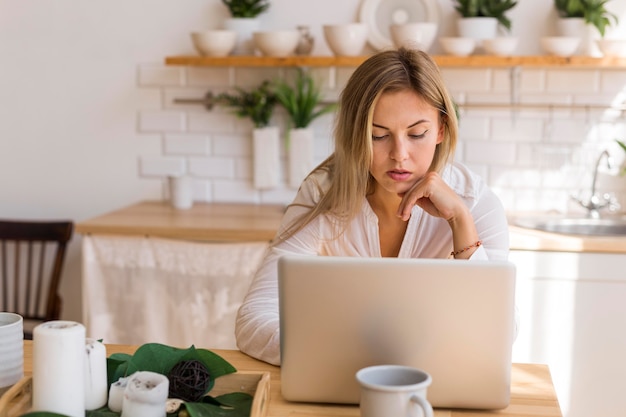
(140, 290)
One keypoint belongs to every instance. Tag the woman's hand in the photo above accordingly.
(436, 198)
(433, 195)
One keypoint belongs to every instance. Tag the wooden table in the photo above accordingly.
(223, 222)
(532, 392)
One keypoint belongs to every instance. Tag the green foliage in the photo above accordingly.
(486, 8)
(246, 8)
(302, 100)
(593, 11)
(623, 146)
(257, 104)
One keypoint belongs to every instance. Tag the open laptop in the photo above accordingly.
(452, 318)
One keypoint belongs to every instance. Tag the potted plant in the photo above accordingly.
(623, 146)
(244, 20)
(591, 12)
(480, 18)
(302, 102)
(258, 105)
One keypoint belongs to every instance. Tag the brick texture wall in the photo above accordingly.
(534, 156)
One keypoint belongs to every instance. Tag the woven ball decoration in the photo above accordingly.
(189, 380)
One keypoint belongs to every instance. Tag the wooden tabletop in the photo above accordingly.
(204, 221)
(532, 391)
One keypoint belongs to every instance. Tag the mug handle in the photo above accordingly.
(422, 402)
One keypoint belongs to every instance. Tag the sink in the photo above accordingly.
(575, 226)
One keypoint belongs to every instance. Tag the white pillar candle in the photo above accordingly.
(116, 394)
(58, 368)
(145, 395)
(95, 374)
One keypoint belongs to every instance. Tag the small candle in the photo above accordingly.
(58, 368)
(145, 395)
(95, 374)
(116, 394)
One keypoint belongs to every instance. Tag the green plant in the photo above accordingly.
(593, 11)
(623, 146)
(246, 8)
(486, 8)
(257, 104)
(302, 100)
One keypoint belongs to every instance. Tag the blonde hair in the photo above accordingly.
(348, 167)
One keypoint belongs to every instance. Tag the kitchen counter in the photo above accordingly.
(204, 221)
(252, 222)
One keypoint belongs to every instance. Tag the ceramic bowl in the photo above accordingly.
(277, 43)
(501, 46)
(216, 42)
(346, 39)
(420, 35)
(560, 45)
(458, 46)
(612, 47)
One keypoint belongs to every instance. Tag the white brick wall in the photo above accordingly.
(533, 157)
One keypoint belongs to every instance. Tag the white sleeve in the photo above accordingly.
(492, 227)
(257, 327)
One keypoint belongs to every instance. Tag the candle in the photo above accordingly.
(145, 395)
(58, 368)
(95, 374)
(116, 394)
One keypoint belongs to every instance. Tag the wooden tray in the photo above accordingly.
(17, 400)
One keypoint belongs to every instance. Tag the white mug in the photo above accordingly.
(181, 192)
(11, 350)
(394, 390)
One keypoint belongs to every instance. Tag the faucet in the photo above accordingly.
(596, 202)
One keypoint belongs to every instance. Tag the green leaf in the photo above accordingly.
(42, 414)
(159, 358)
(101, 412)
(237, 404)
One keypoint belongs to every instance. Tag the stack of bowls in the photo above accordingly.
(11, 350)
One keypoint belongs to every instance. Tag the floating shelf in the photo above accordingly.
(442, 61)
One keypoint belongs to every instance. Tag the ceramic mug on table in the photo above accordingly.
(181, 192)
(11, 350)
(394, 390)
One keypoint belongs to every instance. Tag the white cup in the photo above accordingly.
(394, 390)
(181, 192)
(11, 350)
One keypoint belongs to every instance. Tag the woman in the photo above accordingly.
(389, 189)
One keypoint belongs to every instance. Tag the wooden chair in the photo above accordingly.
(31, 261)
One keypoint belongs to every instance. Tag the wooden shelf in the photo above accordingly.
(442, 61)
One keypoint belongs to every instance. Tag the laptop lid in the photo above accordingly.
(452, 318)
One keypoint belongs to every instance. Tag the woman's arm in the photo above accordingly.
(257, 328)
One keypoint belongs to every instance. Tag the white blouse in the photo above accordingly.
(257, 325)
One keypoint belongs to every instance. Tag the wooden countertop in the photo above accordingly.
(203, 221)
(253, 222)
(532, 390)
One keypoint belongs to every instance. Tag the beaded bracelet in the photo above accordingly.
(473, 245)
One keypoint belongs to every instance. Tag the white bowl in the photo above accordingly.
(216, 42)
(560, 45)
(346, 39)
(278, 43)
(454, 45)
(502, 46)
(419, 35)
(612, 47)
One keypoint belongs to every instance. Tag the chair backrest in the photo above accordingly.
(31, 261)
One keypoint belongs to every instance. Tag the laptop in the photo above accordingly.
(452, 318)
